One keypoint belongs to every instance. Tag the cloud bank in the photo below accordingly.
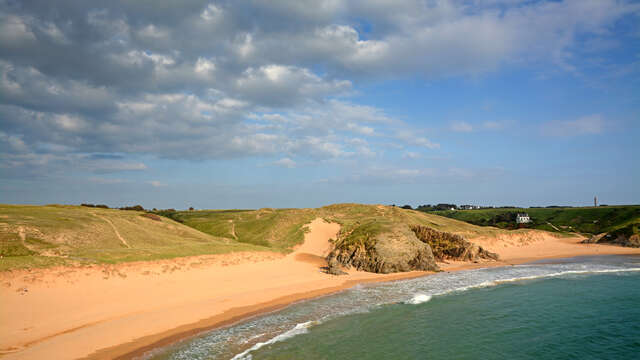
(222, 80)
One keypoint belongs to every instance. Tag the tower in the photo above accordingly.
(595, 201)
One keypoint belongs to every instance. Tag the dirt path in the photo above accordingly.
(553, 226)
(114, 229)
(21, 234)
(233, 230)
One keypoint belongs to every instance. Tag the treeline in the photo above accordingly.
(446, 206)
(169, 213)
(102, 206)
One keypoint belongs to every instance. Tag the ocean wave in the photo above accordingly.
(566, 272)
(301, 328)
(418, 299)
(422, 298)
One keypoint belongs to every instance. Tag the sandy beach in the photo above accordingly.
(120, 311)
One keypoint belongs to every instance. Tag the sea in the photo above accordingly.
(576, 308)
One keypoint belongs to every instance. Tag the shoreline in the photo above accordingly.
(124, 311)
(142, 346)
(232, 317)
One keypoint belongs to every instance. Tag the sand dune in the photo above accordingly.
(111, 311)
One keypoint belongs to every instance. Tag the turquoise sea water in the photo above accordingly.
(580, 308)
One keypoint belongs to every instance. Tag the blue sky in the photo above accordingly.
(287, 104)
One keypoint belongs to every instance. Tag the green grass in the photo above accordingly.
(38, 236)
(587, 220)
(281, 229)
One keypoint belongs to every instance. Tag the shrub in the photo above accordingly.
(135, 207)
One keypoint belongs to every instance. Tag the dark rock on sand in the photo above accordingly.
(333, 267)
(397, 249)
(451, 246)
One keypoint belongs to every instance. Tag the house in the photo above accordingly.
(469, 207)
(523, 218)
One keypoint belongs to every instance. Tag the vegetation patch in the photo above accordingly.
(586, 220)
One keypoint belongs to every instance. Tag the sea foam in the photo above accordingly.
(301, 328)
(418, 299)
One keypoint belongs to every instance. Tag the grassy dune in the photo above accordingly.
(37, 236)
(282, 229)
(58, 235)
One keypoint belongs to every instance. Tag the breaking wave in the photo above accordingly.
(301, 328)
(418, 299)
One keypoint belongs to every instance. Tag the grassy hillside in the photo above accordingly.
(283, 228)
(275, 228)
(587, 220)
(56, 235)
(36, 236)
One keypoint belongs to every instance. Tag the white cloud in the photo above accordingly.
(14, 31)
(461, 126)
(285, 162)
(411, 138)
(411, 155)
(586, 125)
(156, 183)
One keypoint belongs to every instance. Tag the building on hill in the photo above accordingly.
(523, 218)
(468, 207)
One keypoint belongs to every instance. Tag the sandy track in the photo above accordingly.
(114, 229)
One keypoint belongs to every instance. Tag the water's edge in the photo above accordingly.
(240, 340)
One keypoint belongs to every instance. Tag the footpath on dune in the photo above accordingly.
(111, 311)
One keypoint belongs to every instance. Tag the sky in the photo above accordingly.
(252, 104)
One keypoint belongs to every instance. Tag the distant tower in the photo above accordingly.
(595, 201)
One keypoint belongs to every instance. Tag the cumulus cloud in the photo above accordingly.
(211, 80)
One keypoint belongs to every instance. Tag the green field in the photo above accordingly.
(40, 236)
(585, 220)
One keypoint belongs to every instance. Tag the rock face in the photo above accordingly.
(333, 267)
(619, 238)
(396, 249)
(451, 246)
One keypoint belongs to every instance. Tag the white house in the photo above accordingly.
(523, 218)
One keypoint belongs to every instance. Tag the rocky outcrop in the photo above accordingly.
(394, 249)
(451, 246)
(620, 238)
(334, 268)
